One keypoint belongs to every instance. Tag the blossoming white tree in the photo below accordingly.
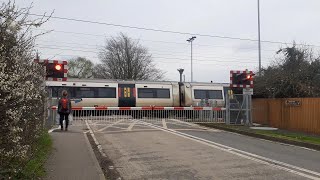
(22, 93)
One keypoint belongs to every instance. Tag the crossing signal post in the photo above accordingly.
(239, 99)
(55, 70)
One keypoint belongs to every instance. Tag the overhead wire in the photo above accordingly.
(101, 46)
(50, 47)
(165, 62)
(152, 52)
(157, 41)
(162, 30)
(165, 31)
(153, 40)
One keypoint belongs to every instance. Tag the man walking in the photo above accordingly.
(64, 109)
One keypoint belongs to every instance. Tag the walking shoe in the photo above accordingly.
(61, 129)
(66, 129)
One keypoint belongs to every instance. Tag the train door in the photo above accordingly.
(127, 95)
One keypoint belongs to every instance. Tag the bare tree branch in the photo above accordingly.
(294, 75)
(80, 67)
(124, 58)
(22, 94)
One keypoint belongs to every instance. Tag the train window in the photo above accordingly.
(106, 92)
(86, 92)
(215, 94)
(200, 94)
(54, 91)
(57, 91)
(145, 93)
(207, 94)
(153, 93)
(163, 93)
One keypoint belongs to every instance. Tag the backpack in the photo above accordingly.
(64, 104)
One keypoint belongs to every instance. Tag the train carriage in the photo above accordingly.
(110, 93)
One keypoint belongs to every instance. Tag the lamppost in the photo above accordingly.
(259, 42)
(190, 41)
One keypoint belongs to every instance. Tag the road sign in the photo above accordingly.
(294, 103)
(248, 91)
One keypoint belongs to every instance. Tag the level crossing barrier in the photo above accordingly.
(147, 114)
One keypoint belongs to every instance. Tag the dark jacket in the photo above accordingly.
(60, 110)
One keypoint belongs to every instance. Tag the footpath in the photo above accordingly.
(72, 156)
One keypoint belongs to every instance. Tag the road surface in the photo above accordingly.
(170, 149)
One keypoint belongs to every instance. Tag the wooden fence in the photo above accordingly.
(297, 114)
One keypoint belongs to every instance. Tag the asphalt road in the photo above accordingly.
(294, 155)
(175, 150)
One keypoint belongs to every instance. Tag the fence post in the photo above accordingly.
(247, 100)
(250, 109)
(228, 109)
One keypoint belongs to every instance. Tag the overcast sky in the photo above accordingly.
(281, 20)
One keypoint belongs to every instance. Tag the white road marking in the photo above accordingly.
(119, 127)
(125, 131)
(131, 126)
(151, 129)
(187, 123)
(305, 148)
(99, 130)
(182, 122)
(208, 130)
(164, 124)
(94, 158)
(274, 163)
(95, 140)
(179, 123)
(51, 130)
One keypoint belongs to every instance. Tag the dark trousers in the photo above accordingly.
(64, 116)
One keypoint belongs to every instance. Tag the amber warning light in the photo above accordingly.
(58, 67)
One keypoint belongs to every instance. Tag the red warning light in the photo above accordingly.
(58, 67)
(248, 76)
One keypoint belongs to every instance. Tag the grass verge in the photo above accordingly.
(290, 136)
(276, 134)
(35, 166)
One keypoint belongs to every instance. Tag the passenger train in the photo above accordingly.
(115, 93)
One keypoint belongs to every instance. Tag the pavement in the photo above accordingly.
(169, 149)
(72, 157)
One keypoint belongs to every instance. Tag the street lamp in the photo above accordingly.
(259, 42)
(190, 41)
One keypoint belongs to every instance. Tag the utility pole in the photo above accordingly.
(259, 42)
(190, 41)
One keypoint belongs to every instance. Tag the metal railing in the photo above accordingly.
(147, 114)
